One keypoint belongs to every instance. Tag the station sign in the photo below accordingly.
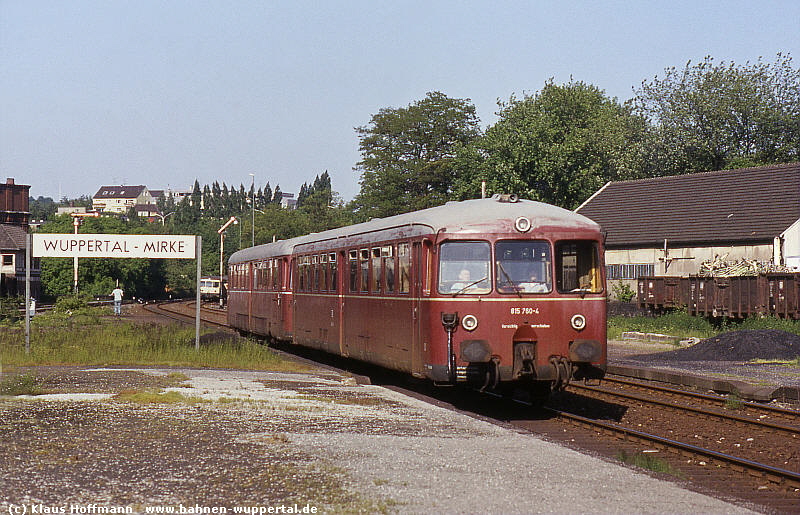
(147, 246)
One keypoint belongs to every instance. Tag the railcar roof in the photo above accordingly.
(474, 215)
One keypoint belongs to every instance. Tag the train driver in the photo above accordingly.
(463, 281)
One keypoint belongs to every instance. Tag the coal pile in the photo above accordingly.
(736, 346)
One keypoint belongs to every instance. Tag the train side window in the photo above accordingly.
(364, 264)
(299, 267)
(404, 264)
(353, 258)
(317, 273)
(377, 276)
(577, 267)
(332, 263)
(323, 273)
(388, 259)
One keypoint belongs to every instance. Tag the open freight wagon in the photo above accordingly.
(776, 294)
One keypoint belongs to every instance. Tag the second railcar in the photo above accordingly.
(491, 292)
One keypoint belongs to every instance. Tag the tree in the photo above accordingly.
(407, 154)
(711, 116)
(42, 208)
(557, 146)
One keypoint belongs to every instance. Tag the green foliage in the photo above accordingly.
(41, 208)
(648, 462)
(558, 146)
(676, 323)
(71, 303)
(759, 323)
(408, 154)
(683, 325)
(10, 308)
(711, 116)
(623, 292)
(733, 402)
(23, 384)
(59, 341)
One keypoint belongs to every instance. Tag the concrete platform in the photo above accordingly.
(750, 381)
(388, 451)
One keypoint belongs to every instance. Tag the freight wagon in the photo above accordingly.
(775, 294)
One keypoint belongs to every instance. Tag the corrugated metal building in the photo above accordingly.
(669, 225)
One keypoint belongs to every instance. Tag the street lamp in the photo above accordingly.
(253, 203)
(164, 217)
(233, 220)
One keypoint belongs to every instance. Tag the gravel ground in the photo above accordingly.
(667, 357)
(318, 440)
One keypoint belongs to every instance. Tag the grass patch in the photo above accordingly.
(648, 462)
(151, 397)
(23, 384)
(683, 325)
(787, 362)
(118, 342)
(676, 323)
(733, 402)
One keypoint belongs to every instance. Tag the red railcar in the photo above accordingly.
(492, 292)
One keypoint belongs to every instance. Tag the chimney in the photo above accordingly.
(10, 180)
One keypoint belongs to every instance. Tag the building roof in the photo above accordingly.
(12, 237)
(744, 205)
(119, 192)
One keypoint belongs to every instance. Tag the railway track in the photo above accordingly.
(632, 419)
(745, 449)
(185, 312)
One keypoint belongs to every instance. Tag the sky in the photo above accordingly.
(163, 93)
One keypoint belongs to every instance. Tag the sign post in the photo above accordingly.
(146, 246)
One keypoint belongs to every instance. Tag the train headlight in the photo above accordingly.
(522, 224)
(578, 322)
(469, 322)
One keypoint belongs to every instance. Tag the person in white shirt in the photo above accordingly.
(117, 293)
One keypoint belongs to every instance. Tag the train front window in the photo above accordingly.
(523, 267)
(464, 267)
(577, 267)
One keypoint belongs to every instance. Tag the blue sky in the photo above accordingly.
(165, 92)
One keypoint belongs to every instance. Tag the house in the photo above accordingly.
(670, 225)
(288, 201)
(118, 199)
(14, 222)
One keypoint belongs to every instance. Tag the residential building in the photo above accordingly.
(670, 225)
(119, 199)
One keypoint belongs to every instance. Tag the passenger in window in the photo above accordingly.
(534, 284)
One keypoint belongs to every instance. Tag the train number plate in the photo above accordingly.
(524, 311)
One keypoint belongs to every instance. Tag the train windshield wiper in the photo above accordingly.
(470, 285)
(510, 282)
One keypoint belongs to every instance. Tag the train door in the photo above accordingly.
(340, 286)
(418, 260)
(350, 303)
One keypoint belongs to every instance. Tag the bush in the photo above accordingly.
(10, 308)
(71, 303)
(623, 292)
